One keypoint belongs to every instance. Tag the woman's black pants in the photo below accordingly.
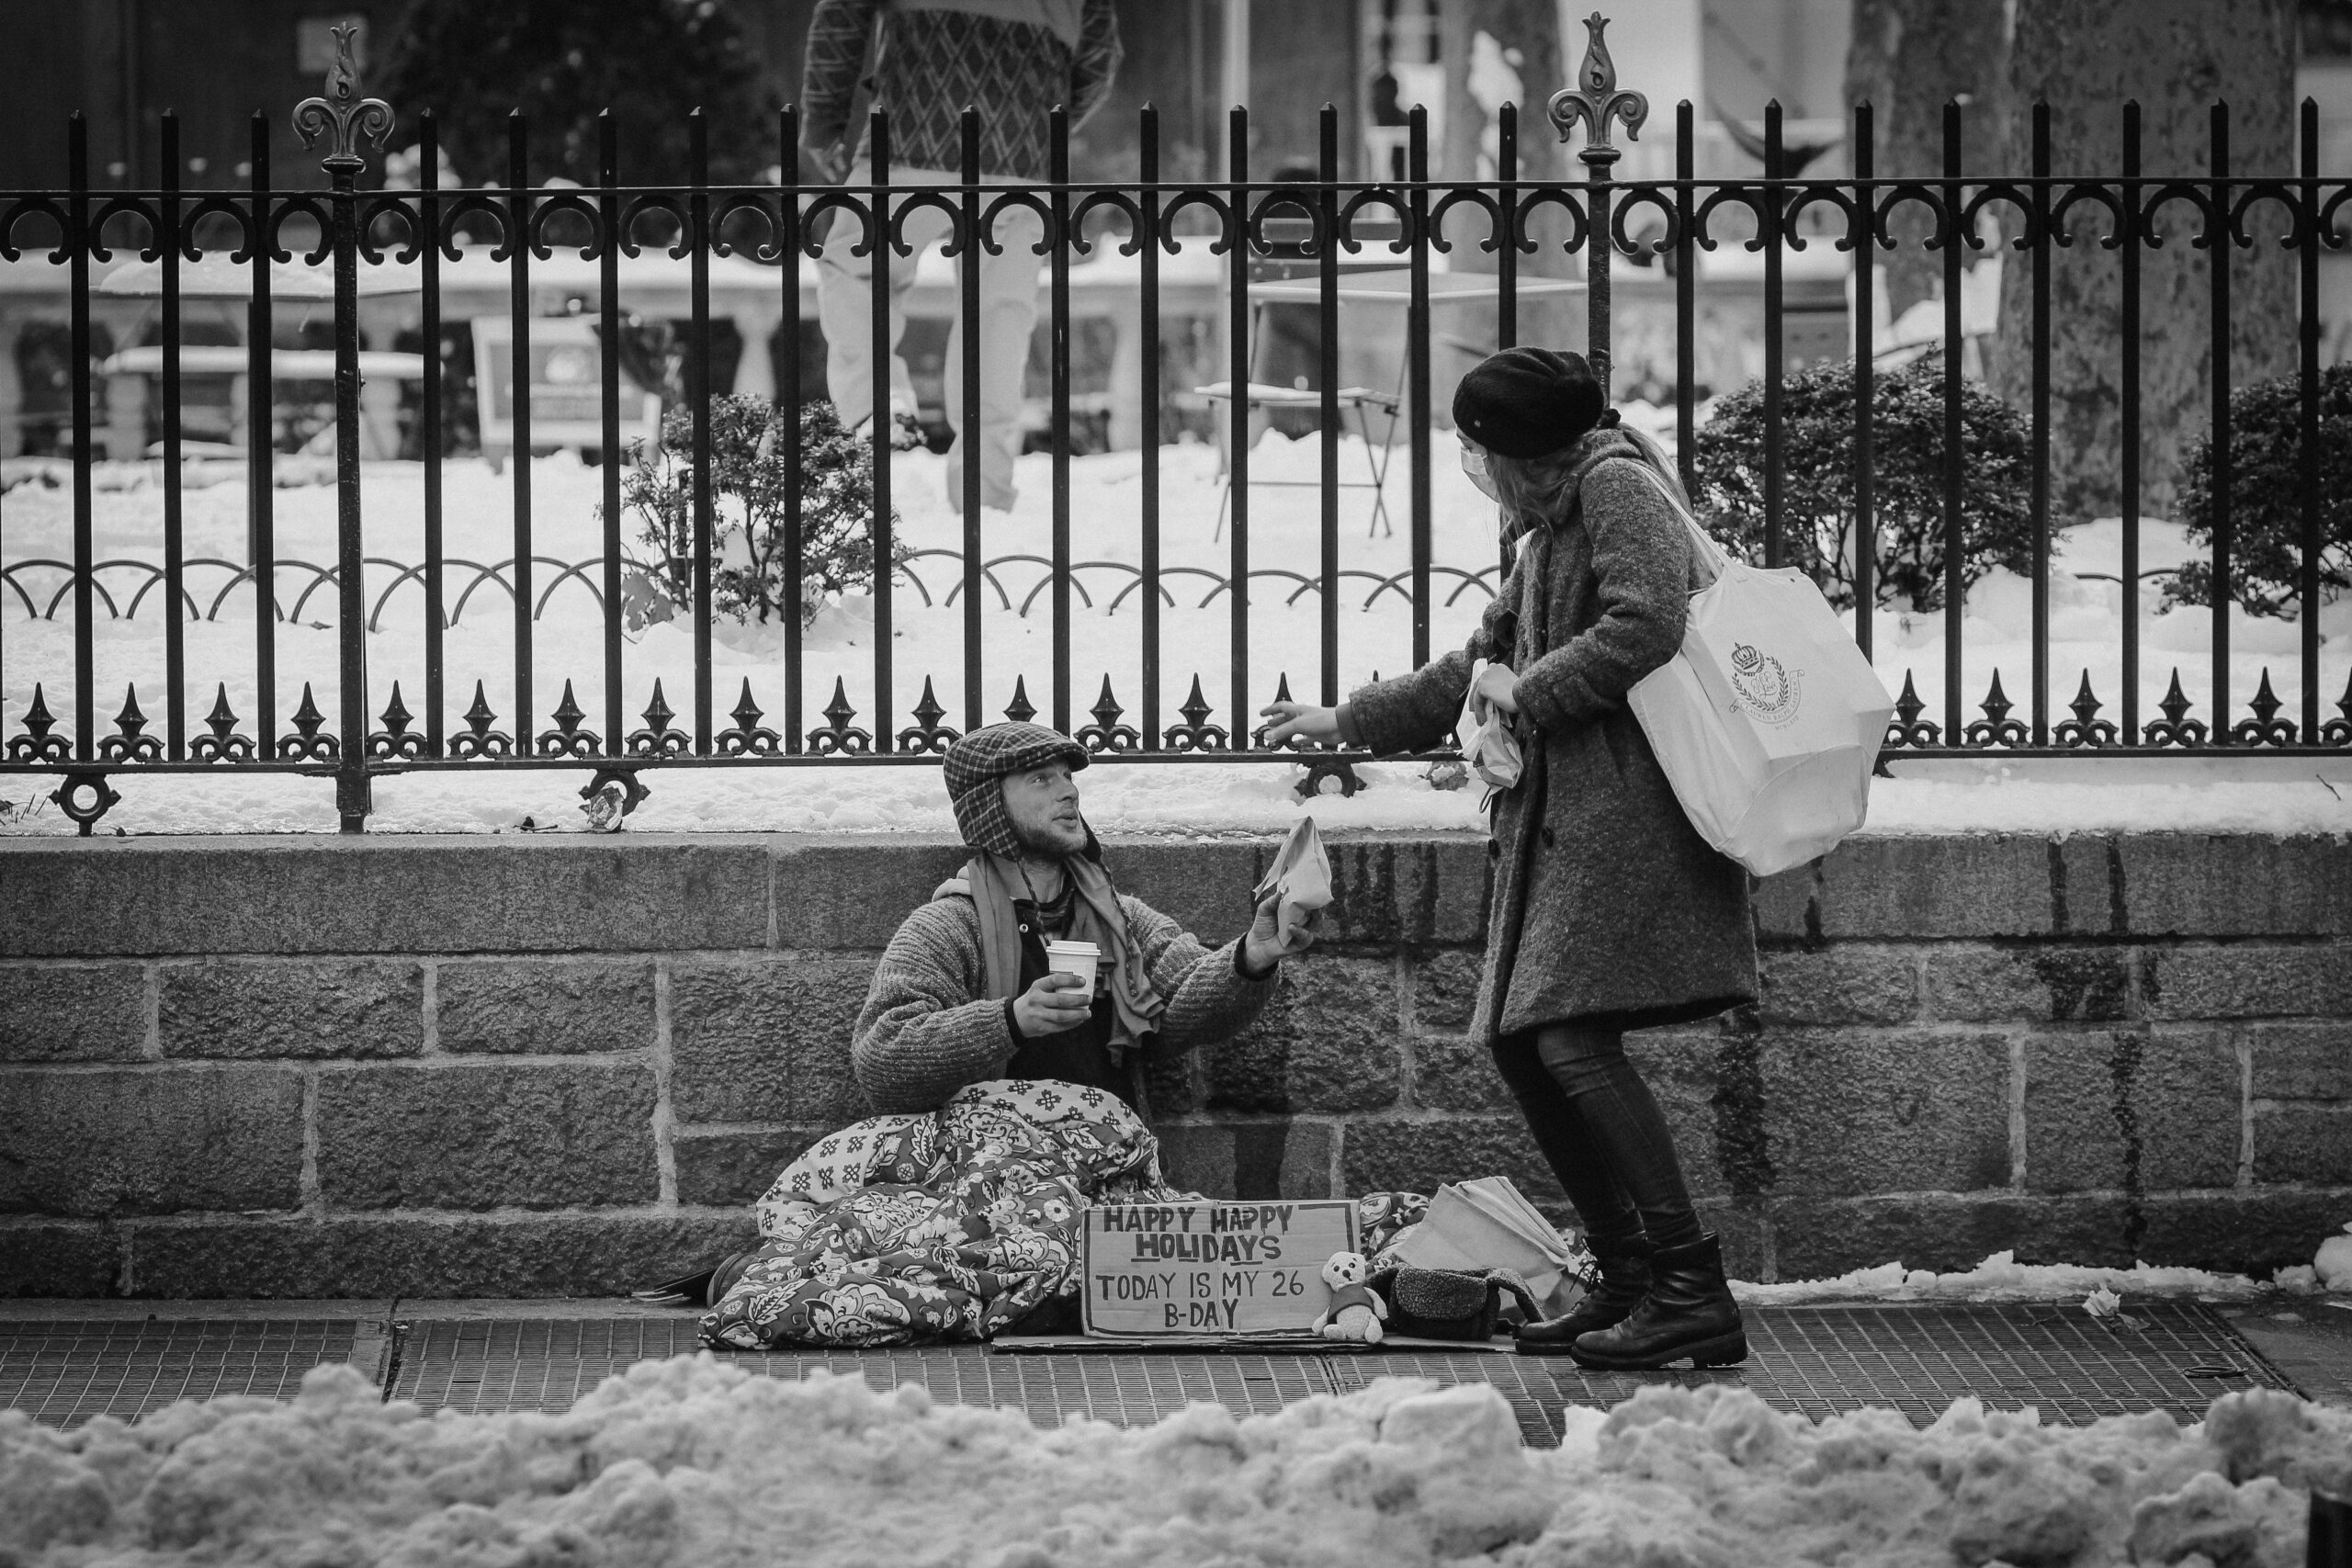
(1601, 1131)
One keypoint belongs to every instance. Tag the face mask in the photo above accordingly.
(1474, 463)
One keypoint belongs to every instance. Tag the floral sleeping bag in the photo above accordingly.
(957, 1224)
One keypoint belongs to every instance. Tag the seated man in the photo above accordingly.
(962, 995)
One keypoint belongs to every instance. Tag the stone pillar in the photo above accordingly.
(125, 437)
(754, 371)
(379, 396)
(12, 387)
(240, 410)
(1126, 373)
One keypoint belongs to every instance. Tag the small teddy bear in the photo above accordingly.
(1356, 1310)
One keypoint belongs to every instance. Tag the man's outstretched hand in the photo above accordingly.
(1056, 1002)
(1265, 946)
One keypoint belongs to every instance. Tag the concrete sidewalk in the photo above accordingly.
(64, 1361)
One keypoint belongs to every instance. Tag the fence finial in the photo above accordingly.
(1596, 98)
(349, 118)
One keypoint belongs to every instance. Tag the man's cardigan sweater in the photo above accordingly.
(929, 1026)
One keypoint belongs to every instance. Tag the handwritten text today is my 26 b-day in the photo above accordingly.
(1237, 1253)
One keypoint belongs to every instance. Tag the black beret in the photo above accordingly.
(1526, 403)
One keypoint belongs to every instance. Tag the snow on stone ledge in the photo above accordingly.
(2253, 795)
(689, 1461)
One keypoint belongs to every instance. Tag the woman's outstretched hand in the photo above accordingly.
(1301, 721)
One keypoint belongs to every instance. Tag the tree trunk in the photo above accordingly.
(1907, 59)
(2176, 57)
(1531, 30)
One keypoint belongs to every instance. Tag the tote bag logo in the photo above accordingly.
(1766, 688)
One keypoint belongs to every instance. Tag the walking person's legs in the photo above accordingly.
(1612, 1226)
(1008, 317)
(1569, 1145)
(1627, 1129)
(1688, 1310)
(846, 302)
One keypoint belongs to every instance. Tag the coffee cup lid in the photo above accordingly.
(1066, 945)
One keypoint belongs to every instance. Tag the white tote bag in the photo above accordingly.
(1769, 720)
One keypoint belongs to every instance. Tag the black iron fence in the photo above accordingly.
(1505, 226)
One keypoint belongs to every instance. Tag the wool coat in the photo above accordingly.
(1608, 909)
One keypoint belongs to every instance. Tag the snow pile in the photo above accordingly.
(688, 1462)
(2001, 1277)
(2334, 1264)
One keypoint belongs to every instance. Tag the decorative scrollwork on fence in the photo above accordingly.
(348, 121)
(308, 744)
(1413, 223)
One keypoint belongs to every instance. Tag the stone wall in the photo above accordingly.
(447, 1066)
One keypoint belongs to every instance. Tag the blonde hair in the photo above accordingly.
(1535, 492)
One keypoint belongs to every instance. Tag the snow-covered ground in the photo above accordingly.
(1374, 635)
(691, 1461)
(2001, 1277)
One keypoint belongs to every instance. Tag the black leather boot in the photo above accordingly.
(1624, 1280)
(1689, 1314)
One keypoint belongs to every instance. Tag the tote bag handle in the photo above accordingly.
(1713, 559)
(1715, 563)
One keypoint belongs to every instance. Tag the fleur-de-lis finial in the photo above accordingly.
(350, 120)
(1596, 98)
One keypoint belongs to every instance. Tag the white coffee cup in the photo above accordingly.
(1079, 958)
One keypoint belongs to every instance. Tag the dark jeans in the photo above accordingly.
(1601, 1129)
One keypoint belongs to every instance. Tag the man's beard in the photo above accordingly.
(1051, 842)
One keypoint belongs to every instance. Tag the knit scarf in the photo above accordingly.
(994, 881)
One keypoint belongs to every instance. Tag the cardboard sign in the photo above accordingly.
(1181, 1270)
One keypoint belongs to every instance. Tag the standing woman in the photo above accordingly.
(1610, 913)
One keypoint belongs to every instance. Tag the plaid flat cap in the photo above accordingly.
(975, 763)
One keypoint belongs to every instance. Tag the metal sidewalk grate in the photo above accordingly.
(64, 1373)
(546, 1364)
(2176, 1357)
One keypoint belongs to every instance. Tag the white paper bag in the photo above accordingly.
(1769, 720)
(1301, 875)
(1488, 747)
